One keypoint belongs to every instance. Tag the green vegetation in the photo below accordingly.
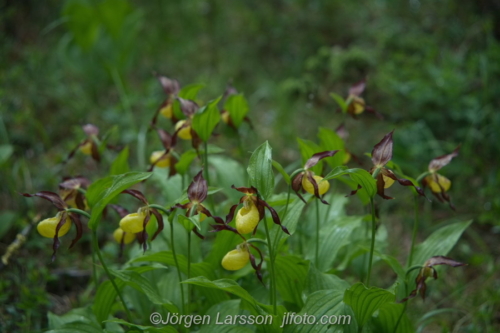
(431, 71)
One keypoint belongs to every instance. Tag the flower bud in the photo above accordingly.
(86, 148)
(236, 259)
(323, 186)
(127, 239)
(438, 183)
(184, 133)
(47, 227)
(162, 161)
(133, 223)
(167, 111)
(247, 219)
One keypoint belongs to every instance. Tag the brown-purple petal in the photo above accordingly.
(382, 151)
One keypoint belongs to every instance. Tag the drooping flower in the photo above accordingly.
(356, 104)
(439, 184)
(70, 190)
(60, 224)
(171, 88)
(306, 179)
(249, 216)
(164, 158)
(136, 223)
(427, 271)
(197, 192)
(238, 258)
(381, 155)
(122, 237)
(89, 145)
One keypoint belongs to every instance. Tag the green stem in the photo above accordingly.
(207, 175)
(277, 237)
(372, 246)
(317, 234)
(110, 277)
(172, 240)
(188, 266)
(272, 288)
(94, 270)
(414, 233)
(78, 211)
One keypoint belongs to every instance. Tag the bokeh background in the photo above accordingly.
(432, 67)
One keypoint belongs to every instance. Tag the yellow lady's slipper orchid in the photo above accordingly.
(47, 227)
(167, 110)
(133, 223)
(236, 259)
(86, 148)
(323, 185)
(247, 218)
(120, 235)
(184, 132)
(438, 183)
(160, 159)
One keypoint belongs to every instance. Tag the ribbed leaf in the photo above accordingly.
(120, 164)
(319, 304)
(104, 190)
(162, 329)
(388, 317)
(364, 302)
(291, 275)
(237, 106)
(260, 170)
(440, 242)
(332, 141)
(205, 120)
(333, 237)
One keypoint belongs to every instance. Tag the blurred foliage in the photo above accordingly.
(432, 70)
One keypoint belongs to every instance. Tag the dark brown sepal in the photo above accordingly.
(381, 187)
(382, 151)
(357, 88)
(137, 194)
(443, 160)
(246, 190)
(170, 86)
(274, 215)
(317, 157)
(57, 243)
(197, 233)
(95, 151)
(198, 190)
(353, 192)
(188, 107)
(79, 229)
(159, 220)
(220, 227)
(297, 185)
(374, 112)
(54, 198)
(122, 212)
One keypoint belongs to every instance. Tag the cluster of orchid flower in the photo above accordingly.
(71, 200)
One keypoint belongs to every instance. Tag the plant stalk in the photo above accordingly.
(272, 287)
(110, 277)
(317, 234)
(372, 246)
(172, 240)
(414, 233)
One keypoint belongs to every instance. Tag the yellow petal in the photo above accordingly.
(323, 185)
(247, 219)
(47, 227)
(133, 223)
(163, 160)
(184, 133)
(86, 148)
(167, 111)
(236, 259)
(436, 182)
(118, 234)
(387, 181)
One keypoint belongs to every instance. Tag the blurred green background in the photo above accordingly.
(433, 70)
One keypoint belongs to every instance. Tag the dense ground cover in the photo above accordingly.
(431, 71)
